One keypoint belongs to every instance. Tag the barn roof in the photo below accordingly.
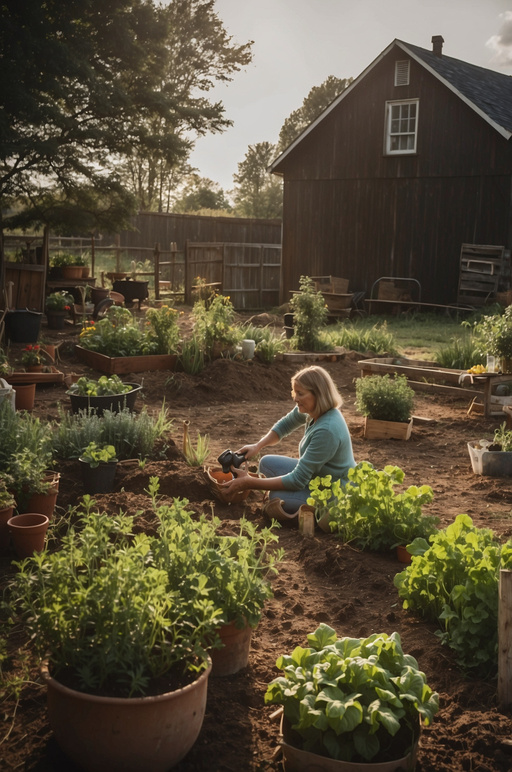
(487, 92)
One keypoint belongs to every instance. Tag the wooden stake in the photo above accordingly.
(505, 639)
(186, 424)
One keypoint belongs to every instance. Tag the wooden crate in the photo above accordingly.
(332, 284)
(123, 365)
(335, 302)
(387, 430)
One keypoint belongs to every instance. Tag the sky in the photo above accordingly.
(299, 43)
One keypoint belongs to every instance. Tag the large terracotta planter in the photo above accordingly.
(72, 271)
(28, 533)
(234, 655)
(122, 365)
(139, 734)
(44, 503)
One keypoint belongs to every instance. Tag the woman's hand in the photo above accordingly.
(249, 451)
(240, 482)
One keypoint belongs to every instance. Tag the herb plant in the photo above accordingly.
(95, 454)
(118, 333)
(309, 316)
(353, 699)
(367, 512)
(213, 323)
(454, 581)
(384, 398)
(503, 438)
(104, 386)
(493, 334)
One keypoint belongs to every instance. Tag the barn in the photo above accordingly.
(412, 161)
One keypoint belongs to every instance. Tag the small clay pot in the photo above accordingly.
(28, 533)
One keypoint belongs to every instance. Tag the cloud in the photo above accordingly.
(501, 43)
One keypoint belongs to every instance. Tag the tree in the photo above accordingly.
(257, 193)
(200, 193)
(87, 84)
(316, 101)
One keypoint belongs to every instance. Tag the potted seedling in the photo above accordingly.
(386, 404)
(98, 463)
(493, 458)
(352, 700)
(57, 307)
(125, 651)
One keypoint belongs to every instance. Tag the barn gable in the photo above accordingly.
(409, 162)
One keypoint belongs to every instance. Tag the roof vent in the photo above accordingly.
(437, 44)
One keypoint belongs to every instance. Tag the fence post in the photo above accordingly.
(505, 639)
(93, 256)
(188, 293)
(157, 271)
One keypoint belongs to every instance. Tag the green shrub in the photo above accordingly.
(384, 398)
(454, 581)
(358, 338)
(460, 354)
(309, 316)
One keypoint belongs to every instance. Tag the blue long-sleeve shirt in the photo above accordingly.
(326, 447)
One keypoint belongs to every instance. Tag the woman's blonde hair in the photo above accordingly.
(318, 381)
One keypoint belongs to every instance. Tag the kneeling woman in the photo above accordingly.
(325, 448)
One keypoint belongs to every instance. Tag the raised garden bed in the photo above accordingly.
(121, 365)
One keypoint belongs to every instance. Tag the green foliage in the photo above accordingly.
(118, 333)
(384, 398)
(95, 454)
(213, 323)
(58, 301)
(355, 337)
(6, 497)
(201, 193)
(503, 437)
(134, 435)
(258, 193)
(104, 386)
(198, 455)
(454, 581)
(191, 356)
(460, 353)
(104, 606)
(493, 334)
(234, 570)
(267, 349)
(367, 512)
(309, 316)
(348, 697)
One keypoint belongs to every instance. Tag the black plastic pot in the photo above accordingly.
(132, 290)
(114, 402)
(98, 479)
(22, 325)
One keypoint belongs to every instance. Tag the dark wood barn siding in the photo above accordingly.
(164, 229)
(351, 211)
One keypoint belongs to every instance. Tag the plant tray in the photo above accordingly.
(122, 365)
(387, 430)
(113, 402)
(490, 463)
(55, 376)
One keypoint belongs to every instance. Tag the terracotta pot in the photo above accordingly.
(72, 271)
(44, 503)
(35, 369)
(5, 515)
(28, 532)
(51, 350)
(103, 734)
(99, 293)
(217, 476)
(99, 479)
(235, 652)
(25, 396)
(403, 556)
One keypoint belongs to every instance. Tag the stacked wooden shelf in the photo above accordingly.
(482, 271)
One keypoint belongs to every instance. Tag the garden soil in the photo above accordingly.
(320, 579)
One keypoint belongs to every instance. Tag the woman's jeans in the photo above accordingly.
(278, 466)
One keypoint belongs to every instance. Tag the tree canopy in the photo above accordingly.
(88, 85)
(257, 193)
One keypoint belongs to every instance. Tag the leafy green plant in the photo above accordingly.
(367, 512)
(267, 349)
(309, 316)
(454, 581)
(384, 398)
(493, 334)
(503, 437)
(95, 454)
(460, 353)
(163, 332)
(118, 333)
(104, 386)
(6, 486)
(213, 323)
(356, 699)
(58, 301)
(61, 259)
(133, 435)
(235, 570)
(103, 609)
(31, 355)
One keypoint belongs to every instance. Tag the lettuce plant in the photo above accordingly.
(353, 699)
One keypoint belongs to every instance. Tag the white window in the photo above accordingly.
(402, 69)
(402, 126)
